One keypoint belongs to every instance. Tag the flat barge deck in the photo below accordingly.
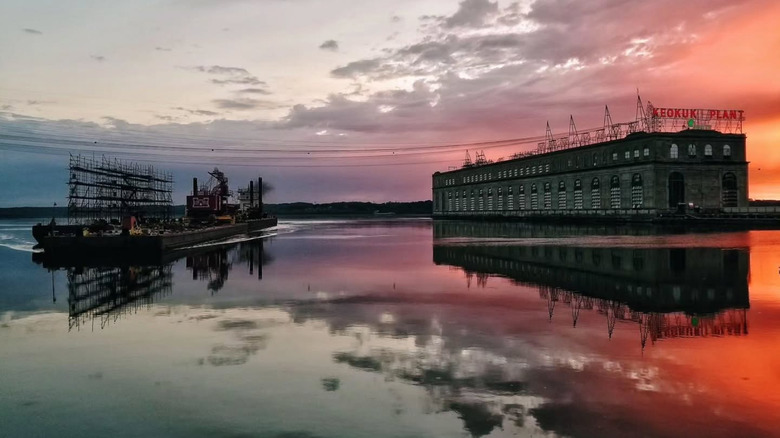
(146, 244)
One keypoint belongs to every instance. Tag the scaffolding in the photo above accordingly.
(106, 189)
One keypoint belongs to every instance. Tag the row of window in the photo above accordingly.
(474, 200)
(580, 161)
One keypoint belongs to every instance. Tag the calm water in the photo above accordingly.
(404, 328)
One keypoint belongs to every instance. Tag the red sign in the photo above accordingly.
(699, 114)
(200, 202)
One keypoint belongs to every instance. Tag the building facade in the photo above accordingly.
(641, 174)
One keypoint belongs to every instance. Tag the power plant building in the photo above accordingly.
(667, 160)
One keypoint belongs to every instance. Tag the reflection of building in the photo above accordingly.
(109, 292)
(668, 291)
(641, 168)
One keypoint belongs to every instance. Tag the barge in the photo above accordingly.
(117, 208)
(64, 241)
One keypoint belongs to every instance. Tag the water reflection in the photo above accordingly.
(669, 292)
(214, 266)
(103, 290)
(105, 294)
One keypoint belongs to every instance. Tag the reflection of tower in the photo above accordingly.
(213, 267)
(109, 292)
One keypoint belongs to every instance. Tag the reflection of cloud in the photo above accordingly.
(236, 324)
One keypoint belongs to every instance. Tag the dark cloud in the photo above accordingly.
(472, 13)
(197, 112)
(32, 31)
(247, 80)
(254, 91)
(229, 75)
(331, 45)
(356, 68)
(245, 104)
(395, 18)
(38, 102)
(98, 58)
(162, 49)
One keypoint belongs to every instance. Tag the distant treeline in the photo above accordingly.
(764, 203)
(350, 208)
(289, 209)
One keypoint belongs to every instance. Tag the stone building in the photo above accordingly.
(641, 174)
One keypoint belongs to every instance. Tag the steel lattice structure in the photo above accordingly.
(108, 189)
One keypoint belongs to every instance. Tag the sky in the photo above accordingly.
(346, 100)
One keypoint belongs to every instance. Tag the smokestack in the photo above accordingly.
(260, 195)
(194, 186)
(251, 193)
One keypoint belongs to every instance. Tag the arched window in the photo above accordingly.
(614, 192)
(577, 194)
(595, 159)
(547, 196)
(562, 195)
(647, 152)
(473, 199)
(673, 151)
(729, 190)
(534, 197)
(691, 150)
(707, 150)
(595, 194)
(510, 198)
(521, 197)
(637, 191)
(726, 151)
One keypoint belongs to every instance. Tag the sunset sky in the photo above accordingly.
(360, 100)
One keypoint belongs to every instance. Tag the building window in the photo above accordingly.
(636, 153)
(547, 196)
(614, 192)
(614, 156)
(562, 195)
(628, 155)
(730, 190)
(521, 197)
(534, 197)
(578, 195)
(637, 191)
(726, 151)
(647, 152)
(547, 168)
(708, 150)
(595, 194)
(691, 150)
(673, 151)
(595, 159)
